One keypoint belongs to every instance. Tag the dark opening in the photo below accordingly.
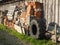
(34, 29)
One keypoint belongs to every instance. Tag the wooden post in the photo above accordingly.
(56, 20)
(55, 34)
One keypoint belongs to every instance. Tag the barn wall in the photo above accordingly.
(52, 13)
(51, 10)
(6, 6)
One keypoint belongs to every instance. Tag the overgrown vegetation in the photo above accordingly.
(28, 39)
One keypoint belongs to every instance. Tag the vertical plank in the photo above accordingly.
(56, 18)
(59, 12)
(53, 18)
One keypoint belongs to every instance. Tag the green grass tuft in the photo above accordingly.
(28, 39)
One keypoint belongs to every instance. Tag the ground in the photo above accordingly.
(6, 39)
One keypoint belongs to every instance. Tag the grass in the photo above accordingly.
(28, 39)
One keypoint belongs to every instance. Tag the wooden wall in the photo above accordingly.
(51, 10)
